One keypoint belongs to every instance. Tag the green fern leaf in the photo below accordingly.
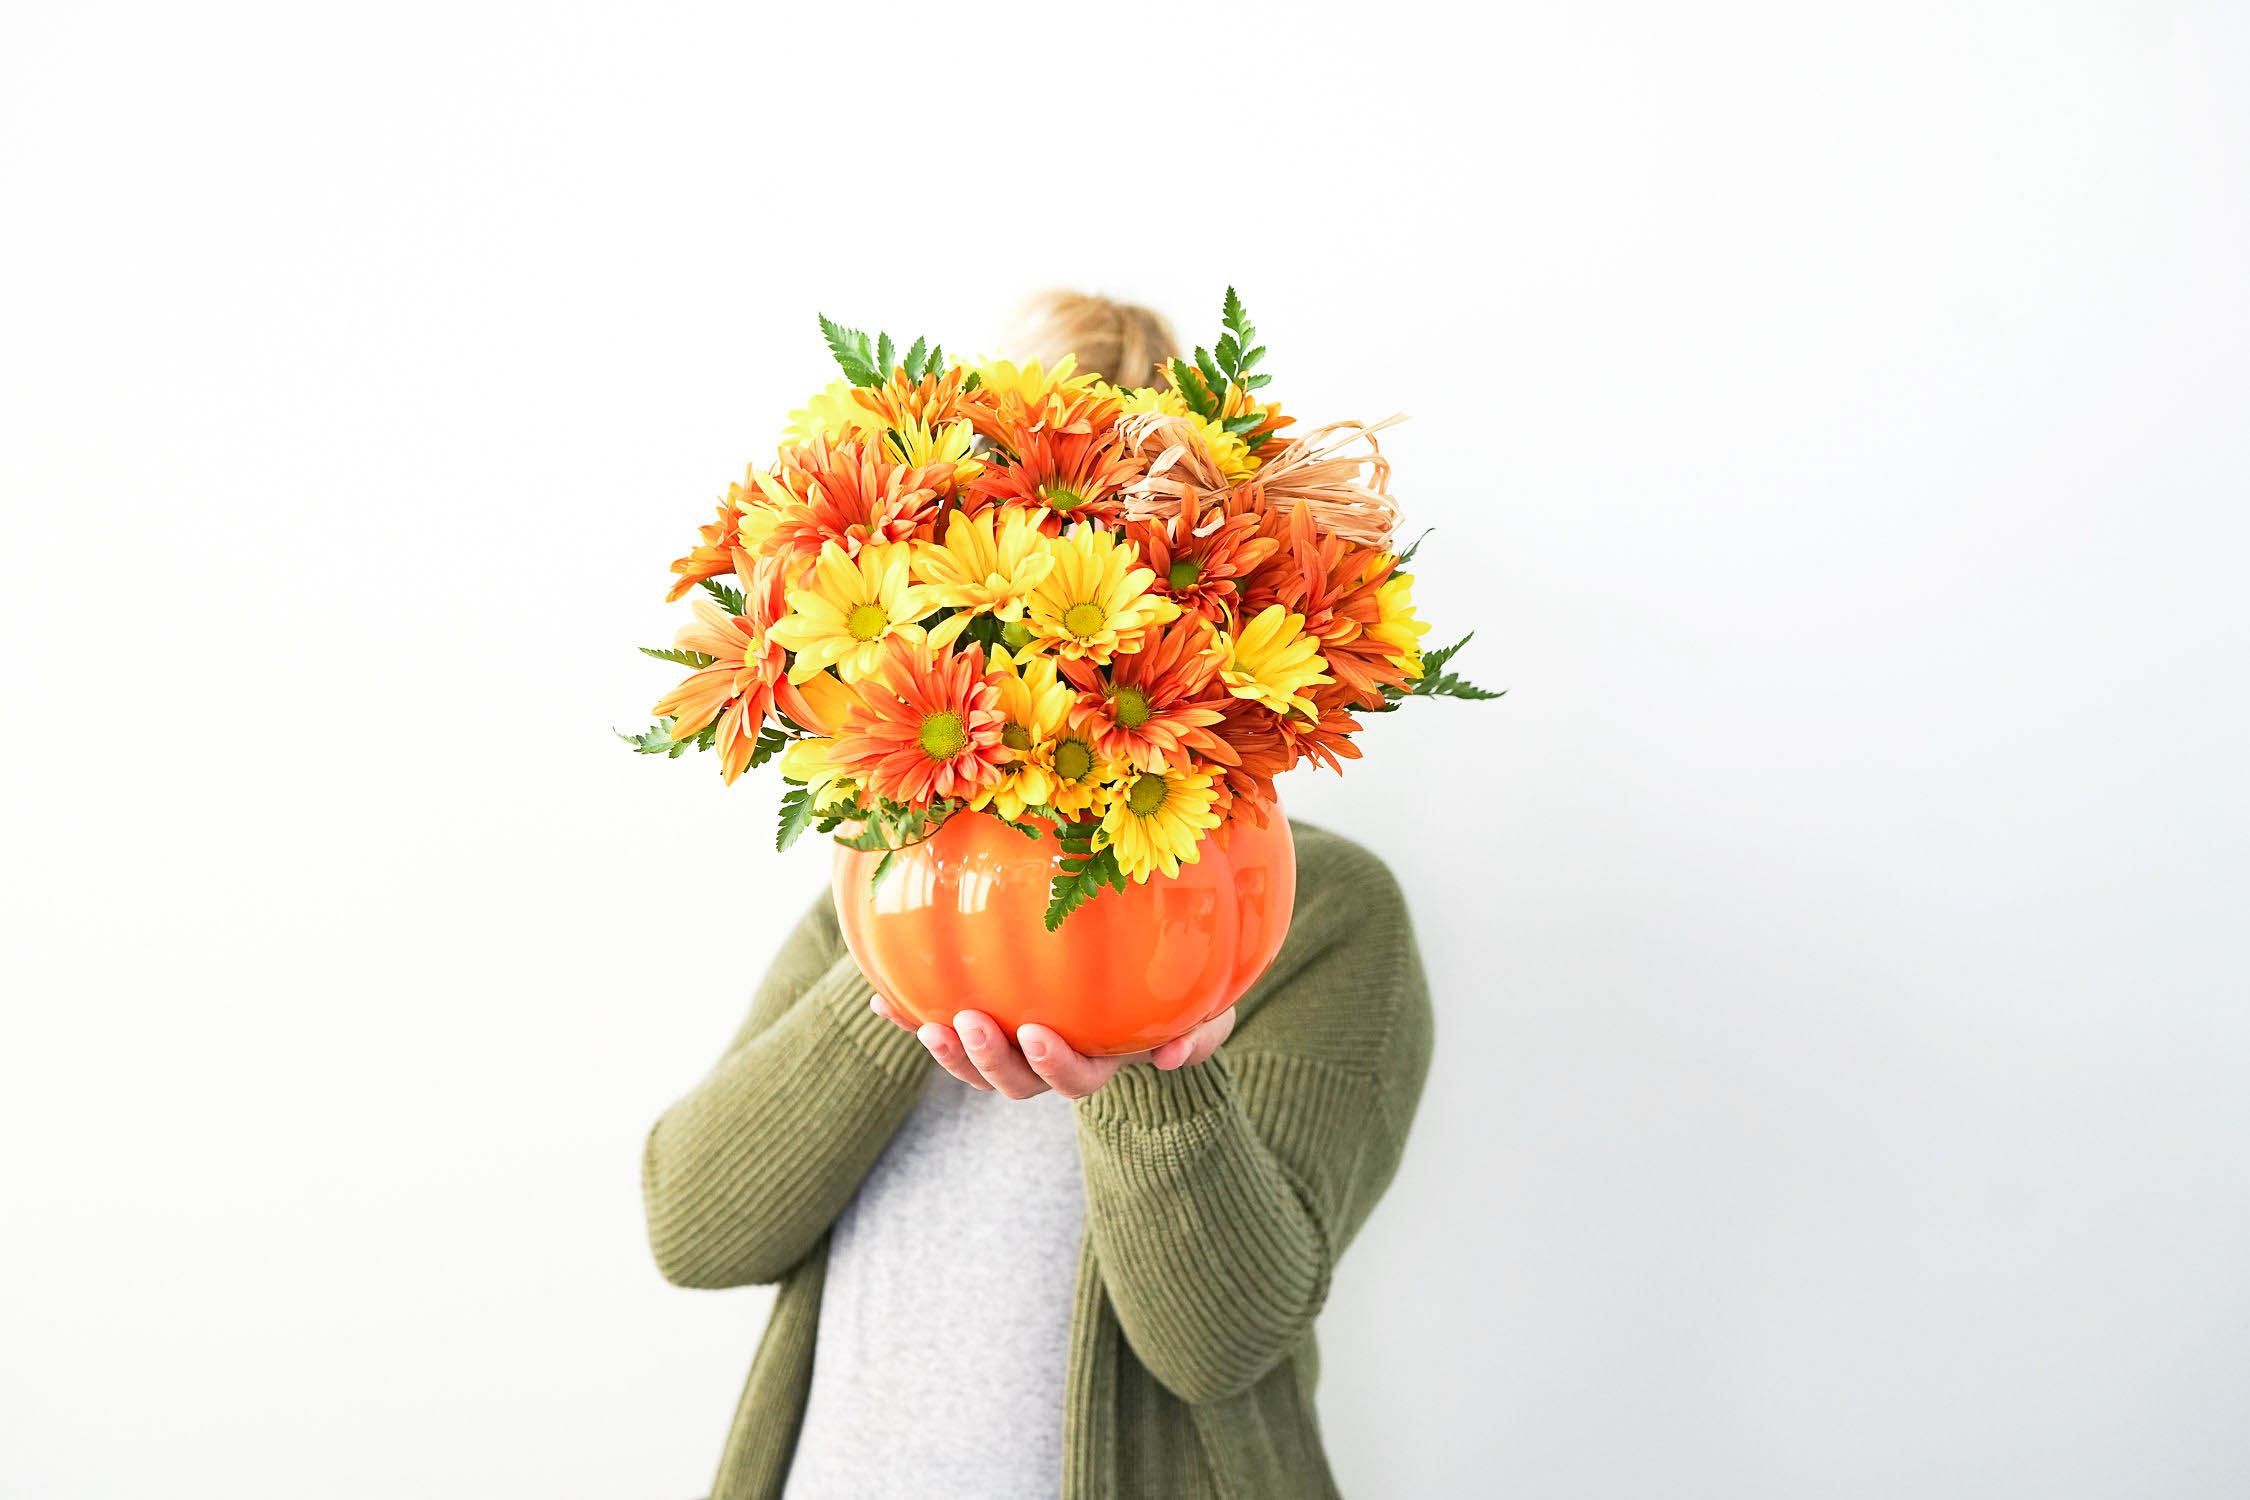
(684, 657)
(730, 599)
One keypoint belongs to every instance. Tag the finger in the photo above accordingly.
(996, 1057)
(889, 1012)
(1068, 1071)
(946, 1048)
(1198, 1045)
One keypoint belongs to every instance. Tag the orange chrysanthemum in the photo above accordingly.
(1335, 584)
(925, 728)
(747, 678)
(1154, 709)
(1324, 738)
(1203, 574)
(930, 402)
(713, 553)
(1011, 400)
(843, 492)
(1261, 751)
(1079, 476)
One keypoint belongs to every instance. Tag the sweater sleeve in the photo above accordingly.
(1219, 1196)
(742, 1176)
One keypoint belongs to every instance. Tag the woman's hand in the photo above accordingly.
(975, 1050)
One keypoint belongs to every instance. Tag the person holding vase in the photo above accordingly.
(1008, 1270)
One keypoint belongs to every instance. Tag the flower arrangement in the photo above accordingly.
(1111, 616)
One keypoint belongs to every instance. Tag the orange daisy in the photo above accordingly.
(747, 678)
(1079, 476)
(925, 729)
(1154, 710)
(1261, 751)
(713, 553)
(844, 492)
(1336, 584)
(930, 402)
(1203, 574)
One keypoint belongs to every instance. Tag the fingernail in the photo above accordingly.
(971, 1032)
(1033, 1047)
(932, 1036)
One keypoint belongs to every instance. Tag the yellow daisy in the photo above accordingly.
(1037, 703)
(1007, 387)
(1229, 452)
(1272, 661)
(917, 444)
(1156, 821)
(1397, 625)
(832, 414)
(806, 762)
(988, 565)
(848, 609)
(1080, 780)
(1095, 602)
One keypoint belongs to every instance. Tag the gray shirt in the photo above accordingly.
(945, 1322)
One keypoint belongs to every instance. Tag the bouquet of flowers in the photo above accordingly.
(1103, 615)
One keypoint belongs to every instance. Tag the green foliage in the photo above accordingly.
(730, 599)
(657, 740)
(796, 816)
(1084, 871)
(683, 657)
(1231, 362)
(866, 361)
(770, 743)
(1438, 683)
(1408, 555)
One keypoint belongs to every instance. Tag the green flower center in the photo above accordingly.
(943, 735)
(1015, 736)
(1085, 619)
(1074, 759)
(1146, 796)
(867, 621)
(1131, 707)
(1061, 497)
(1184, 572)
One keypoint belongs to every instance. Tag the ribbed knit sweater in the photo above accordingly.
(1218, 1197)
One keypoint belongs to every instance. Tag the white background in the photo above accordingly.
(1833, 419)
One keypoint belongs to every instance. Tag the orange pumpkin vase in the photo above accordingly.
(959, 923)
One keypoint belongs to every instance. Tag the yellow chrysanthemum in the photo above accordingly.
(806, 762)
(1008, 386)
(848, 609)
(1156, 821)
(988, 565)
(1037, 702)
(1272, 661)
(1227, 451)
(1080, 781)
(1096, 601)
(916, 444)
(1397, 625)
(832, 414)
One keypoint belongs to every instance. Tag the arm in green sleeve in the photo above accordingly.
(743, 1175)
(1219, 1196)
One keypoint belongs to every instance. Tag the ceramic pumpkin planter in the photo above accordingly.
(959, 923)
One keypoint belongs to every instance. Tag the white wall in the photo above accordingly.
(1833, 418)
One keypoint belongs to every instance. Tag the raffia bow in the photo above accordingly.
(1315, 471)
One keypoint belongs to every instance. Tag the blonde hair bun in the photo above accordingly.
(1124, 343)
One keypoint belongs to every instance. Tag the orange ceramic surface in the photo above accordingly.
(959, 924)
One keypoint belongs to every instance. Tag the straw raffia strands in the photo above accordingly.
(1347, 492)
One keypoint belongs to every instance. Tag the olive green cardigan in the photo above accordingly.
(1217, 1197)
